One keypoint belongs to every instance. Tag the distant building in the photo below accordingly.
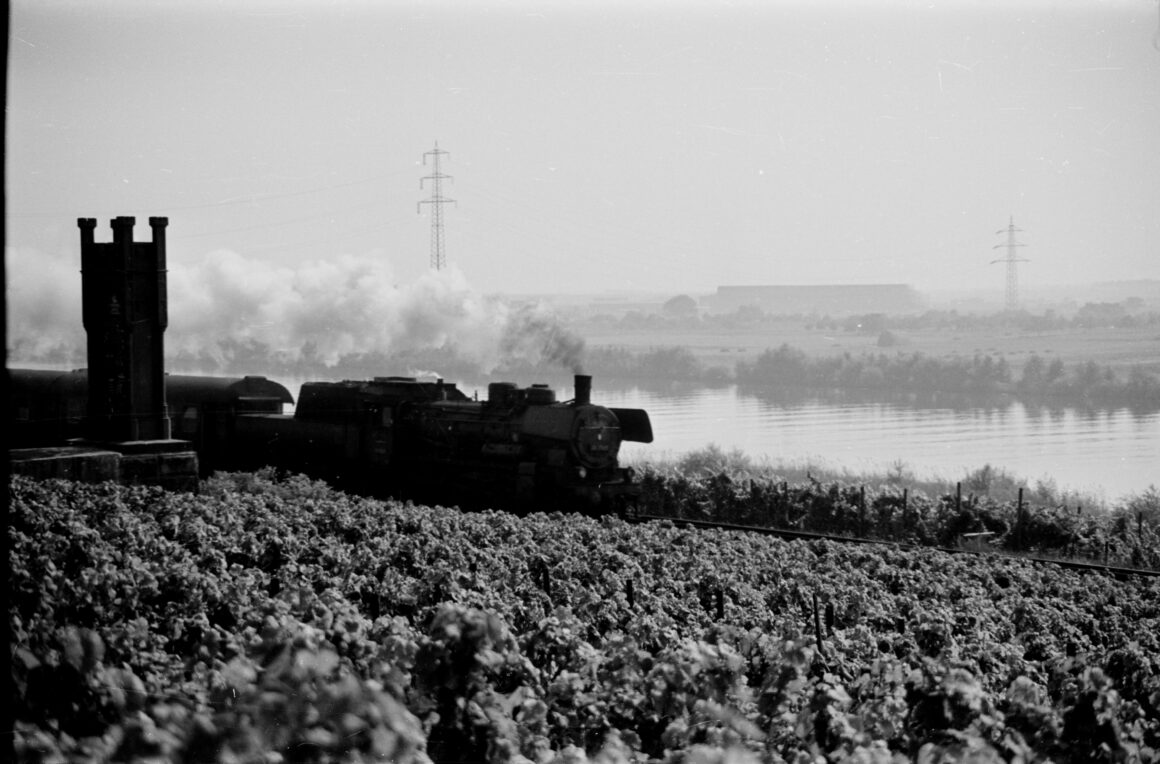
(821, 299)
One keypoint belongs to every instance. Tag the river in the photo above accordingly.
(1102, 453)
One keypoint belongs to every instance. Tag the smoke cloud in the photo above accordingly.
(531, 333)
(331, 309)
(43, 300)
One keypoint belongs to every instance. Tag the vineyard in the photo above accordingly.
(891, 513)
(268, 620)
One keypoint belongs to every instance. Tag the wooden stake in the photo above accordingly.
(1019, 523)
(818, 628)
(862, 511)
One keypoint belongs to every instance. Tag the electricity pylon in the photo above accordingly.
(438, 257)
(1012, 274)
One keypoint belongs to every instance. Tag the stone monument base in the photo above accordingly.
(170, 464)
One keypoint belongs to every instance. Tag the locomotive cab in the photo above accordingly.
(210, 413)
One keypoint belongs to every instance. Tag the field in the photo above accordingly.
(1119, 349)
(279, 621)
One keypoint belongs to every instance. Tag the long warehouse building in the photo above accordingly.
(825, 299)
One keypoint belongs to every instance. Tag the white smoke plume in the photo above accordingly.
(43, 302)
(338, 307)
(532, 333)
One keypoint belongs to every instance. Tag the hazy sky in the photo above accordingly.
(668, 147)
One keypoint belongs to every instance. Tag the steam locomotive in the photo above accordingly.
(428, 441)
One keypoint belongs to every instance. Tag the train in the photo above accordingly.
(424, 440)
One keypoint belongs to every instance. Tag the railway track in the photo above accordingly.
(1112, 570)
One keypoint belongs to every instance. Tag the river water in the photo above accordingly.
(1103, 453)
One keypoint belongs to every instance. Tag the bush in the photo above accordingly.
(1145, 506)
(887, 339)
(712, 460)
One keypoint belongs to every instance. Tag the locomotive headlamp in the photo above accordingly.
(583, 473)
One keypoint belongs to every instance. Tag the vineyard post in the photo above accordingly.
(1140, 524)
(1019, 520)
(818, 627)
(720, 604)
(862, 511)
(631, 594)
(905, 504)
(1105, 551)
(958, 496)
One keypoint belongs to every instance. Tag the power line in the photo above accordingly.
(246, 199)
(348, 234)
(274, 224)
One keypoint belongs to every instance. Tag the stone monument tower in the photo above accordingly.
(125, 314)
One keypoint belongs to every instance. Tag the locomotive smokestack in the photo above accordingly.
(583, 389)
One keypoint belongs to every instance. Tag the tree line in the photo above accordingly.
(779, 370)
(789, 368)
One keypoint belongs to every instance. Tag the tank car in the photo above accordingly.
(45, 407)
